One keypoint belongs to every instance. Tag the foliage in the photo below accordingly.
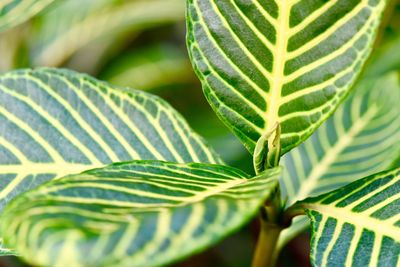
(46, 111)
(146, 212)
(290, 68)
(94, 174)
(360, 139)
(60, 38)
(357, 225)
(14, 12)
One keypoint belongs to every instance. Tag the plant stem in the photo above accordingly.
(265, 255)
(270, 229)
(290, 213)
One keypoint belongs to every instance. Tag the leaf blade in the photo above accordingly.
(366, 210)
(260, 65)
(360, 139)
(58, 122)
(151, 212)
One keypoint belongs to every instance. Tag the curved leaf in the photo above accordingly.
(145, 213)
(14, 12)
(361, 138)
(58, 122)
(357, 225)
(62, 35)
(286, 62)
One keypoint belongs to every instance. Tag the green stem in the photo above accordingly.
(270, 229)
(265, 254)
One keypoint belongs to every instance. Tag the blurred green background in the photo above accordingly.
(141, 44)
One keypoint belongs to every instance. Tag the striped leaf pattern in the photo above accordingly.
(143, 213)
(287, 62)
(14, 12)
(361, 138)
(359, 224)
(58, 122)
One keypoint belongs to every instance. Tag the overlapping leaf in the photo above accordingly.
(358, 225)
(58, 122)
(144, 213)
(360, 139)
(286, 62)
(14, 12)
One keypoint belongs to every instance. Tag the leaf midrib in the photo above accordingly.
(180, 200)
(278, 65)
(310, 183)
(360, 219)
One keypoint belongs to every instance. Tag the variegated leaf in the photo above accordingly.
(360, 139)
(359, 224)
(14, 12)
(287, 62)
(143, 213)
(58, 122)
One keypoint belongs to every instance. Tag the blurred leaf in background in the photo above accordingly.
(386, 56)
(151, 68)
(67, 27)
(14, 12)
(101, 25)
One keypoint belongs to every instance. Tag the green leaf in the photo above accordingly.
(396, 162)
(385, 58)
(357, 225)
(14, 12)
(286, 62)
(76, 23)
(361, 138)
(165, 64)
(143, 213)
(58, 122)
